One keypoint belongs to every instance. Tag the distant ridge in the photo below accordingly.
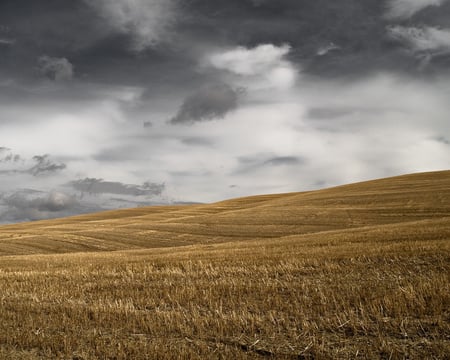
(408, 199)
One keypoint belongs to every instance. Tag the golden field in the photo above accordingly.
(360, 271)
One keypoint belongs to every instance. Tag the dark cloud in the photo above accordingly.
(97, 36)
(57, 69)
(117, 154)
(145, 22)
(283, 160)
(258, 2)
(253, 163)
(45, 166)
(44, 27)
(34, 205)
(443, 140)
(5, 36)
(343, 84)
(190, 174)
(7, 41)
(197, 141)
(328, 113)
(10, 158)
(336, 112)
(210, 102)
(99, 186)
(356, 28)
(404, 9)
(6, 156)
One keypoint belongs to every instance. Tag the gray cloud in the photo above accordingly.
(6, 156)
(4, 41)
(326, 49)
(336, 112)
(311, 111)
(442, 140)
(253, 163)
(118, 154)
(425, 43)
(283, 160)
(58, 69)
(210, 102)
(99, 186)
(96, 35)
(197, 141)
(321, 113)
(421, 39)
(146, 21)
(403, 9)
(258, 2)
(34, 205)
(10, 158)
(45, 166)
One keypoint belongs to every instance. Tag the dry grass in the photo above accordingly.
(394, 200)
(361, 271)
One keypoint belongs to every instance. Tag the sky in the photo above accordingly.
(110, 104)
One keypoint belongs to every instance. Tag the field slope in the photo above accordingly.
(360, 271)
(409, 198)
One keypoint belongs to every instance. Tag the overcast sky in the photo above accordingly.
(125, 103)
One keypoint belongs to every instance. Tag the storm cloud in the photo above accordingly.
(142, 102)
(423, 39)
(34, 205)
(38, 166)
(265, 62)
(146, 21)
(208, 103)
(44, 165)
(403, 9)
(261, 161)
(443, 140)
(58, 69)
(99, 186)
(6, 156)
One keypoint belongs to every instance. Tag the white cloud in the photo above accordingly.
(404, 9)
(323, 50)
(265, 65)
(57, 69)
(373, 127)
(426, 39)
(245, 61)
(386, 126)
(147, 21)
(70, 125)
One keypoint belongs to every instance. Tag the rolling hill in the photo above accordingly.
(404, 199)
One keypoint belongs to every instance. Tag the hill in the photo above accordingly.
(402, 199)
(354, 272)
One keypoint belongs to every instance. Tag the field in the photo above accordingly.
(360, 271)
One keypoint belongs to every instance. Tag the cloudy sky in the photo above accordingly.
(108, 104)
